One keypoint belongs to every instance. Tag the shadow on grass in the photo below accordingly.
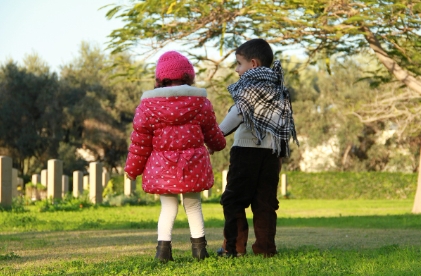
(29, 223)
(409, 221)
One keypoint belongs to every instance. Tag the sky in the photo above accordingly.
(53, 29)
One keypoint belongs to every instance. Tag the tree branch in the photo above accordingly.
(399, 73)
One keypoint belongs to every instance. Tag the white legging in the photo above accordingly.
(169, 209)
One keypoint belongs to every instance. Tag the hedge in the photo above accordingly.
(351, 185)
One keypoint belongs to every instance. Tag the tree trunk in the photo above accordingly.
(417, 203)
(411, 82)
(399, 73)
(345, 157)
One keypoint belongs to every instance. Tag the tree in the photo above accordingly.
(389, 29)
(99, 109)
(92, 122)
(30, 112)
(326, 29)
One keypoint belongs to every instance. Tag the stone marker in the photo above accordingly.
(36, 178)
(65, 185)
(207, 193)
(105, 178)
(54, 178)
(284, 184)
(86, 182)
(44, 178)
(77, 183)
(5, 181)
(14, 182)
(95, 182)
(129, 186)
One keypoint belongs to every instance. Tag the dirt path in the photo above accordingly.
(38, 248)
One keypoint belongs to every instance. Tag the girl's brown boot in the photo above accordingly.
(198, 247)
(163, 251)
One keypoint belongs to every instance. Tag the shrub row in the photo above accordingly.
(351, 185)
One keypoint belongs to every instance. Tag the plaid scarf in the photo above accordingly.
(264, 102)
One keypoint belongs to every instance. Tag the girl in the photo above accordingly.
(171, 126)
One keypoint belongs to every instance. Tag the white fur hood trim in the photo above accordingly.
(173, 91)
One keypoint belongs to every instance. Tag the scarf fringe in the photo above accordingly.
(276, 140)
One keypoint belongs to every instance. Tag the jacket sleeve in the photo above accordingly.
(141, 144)
(214, 138)
(232, 121)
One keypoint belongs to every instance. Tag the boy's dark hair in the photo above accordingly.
(256, 49)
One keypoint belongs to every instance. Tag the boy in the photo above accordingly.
(262, 120)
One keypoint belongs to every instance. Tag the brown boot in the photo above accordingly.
(241, 240)
(164, 251)
(198, 248)
(265, 231)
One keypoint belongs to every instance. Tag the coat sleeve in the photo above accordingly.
(141, 144)
(214, 138)
(232, 121)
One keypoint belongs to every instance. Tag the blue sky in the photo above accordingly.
(54, 29)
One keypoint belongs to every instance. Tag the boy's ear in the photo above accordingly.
(255, 63)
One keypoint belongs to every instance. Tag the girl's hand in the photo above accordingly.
(129, 177)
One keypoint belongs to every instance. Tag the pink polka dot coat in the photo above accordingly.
(171, 127)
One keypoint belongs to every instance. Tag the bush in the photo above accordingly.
(18, 206)
(68, 203)
(134, 199)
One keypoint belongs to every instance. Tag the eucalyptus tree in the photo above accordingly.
(390, 30)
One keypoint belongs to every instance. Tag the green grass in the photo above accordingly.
(314, 237)
(301, 261)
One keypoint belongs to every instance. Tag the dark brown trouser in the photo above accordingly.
(252, 179)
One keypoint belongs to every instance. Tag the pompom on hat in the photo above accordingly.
(172, 65)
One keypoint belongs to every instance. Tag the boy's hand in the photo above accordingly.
(280, 163)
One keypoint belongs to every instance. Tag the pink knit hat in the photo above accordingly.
(172, 65)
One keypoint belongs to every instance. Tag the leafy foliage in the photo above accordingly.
(326, 30)
(68, 203)
(30, 113)
(320, 27)
(44, 117)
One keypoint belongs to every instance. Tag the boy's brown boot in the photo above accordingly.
(198, 248)
(265, 236)
(164, 251)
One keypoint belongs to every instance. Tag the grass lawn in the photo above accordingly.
(326, 237)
